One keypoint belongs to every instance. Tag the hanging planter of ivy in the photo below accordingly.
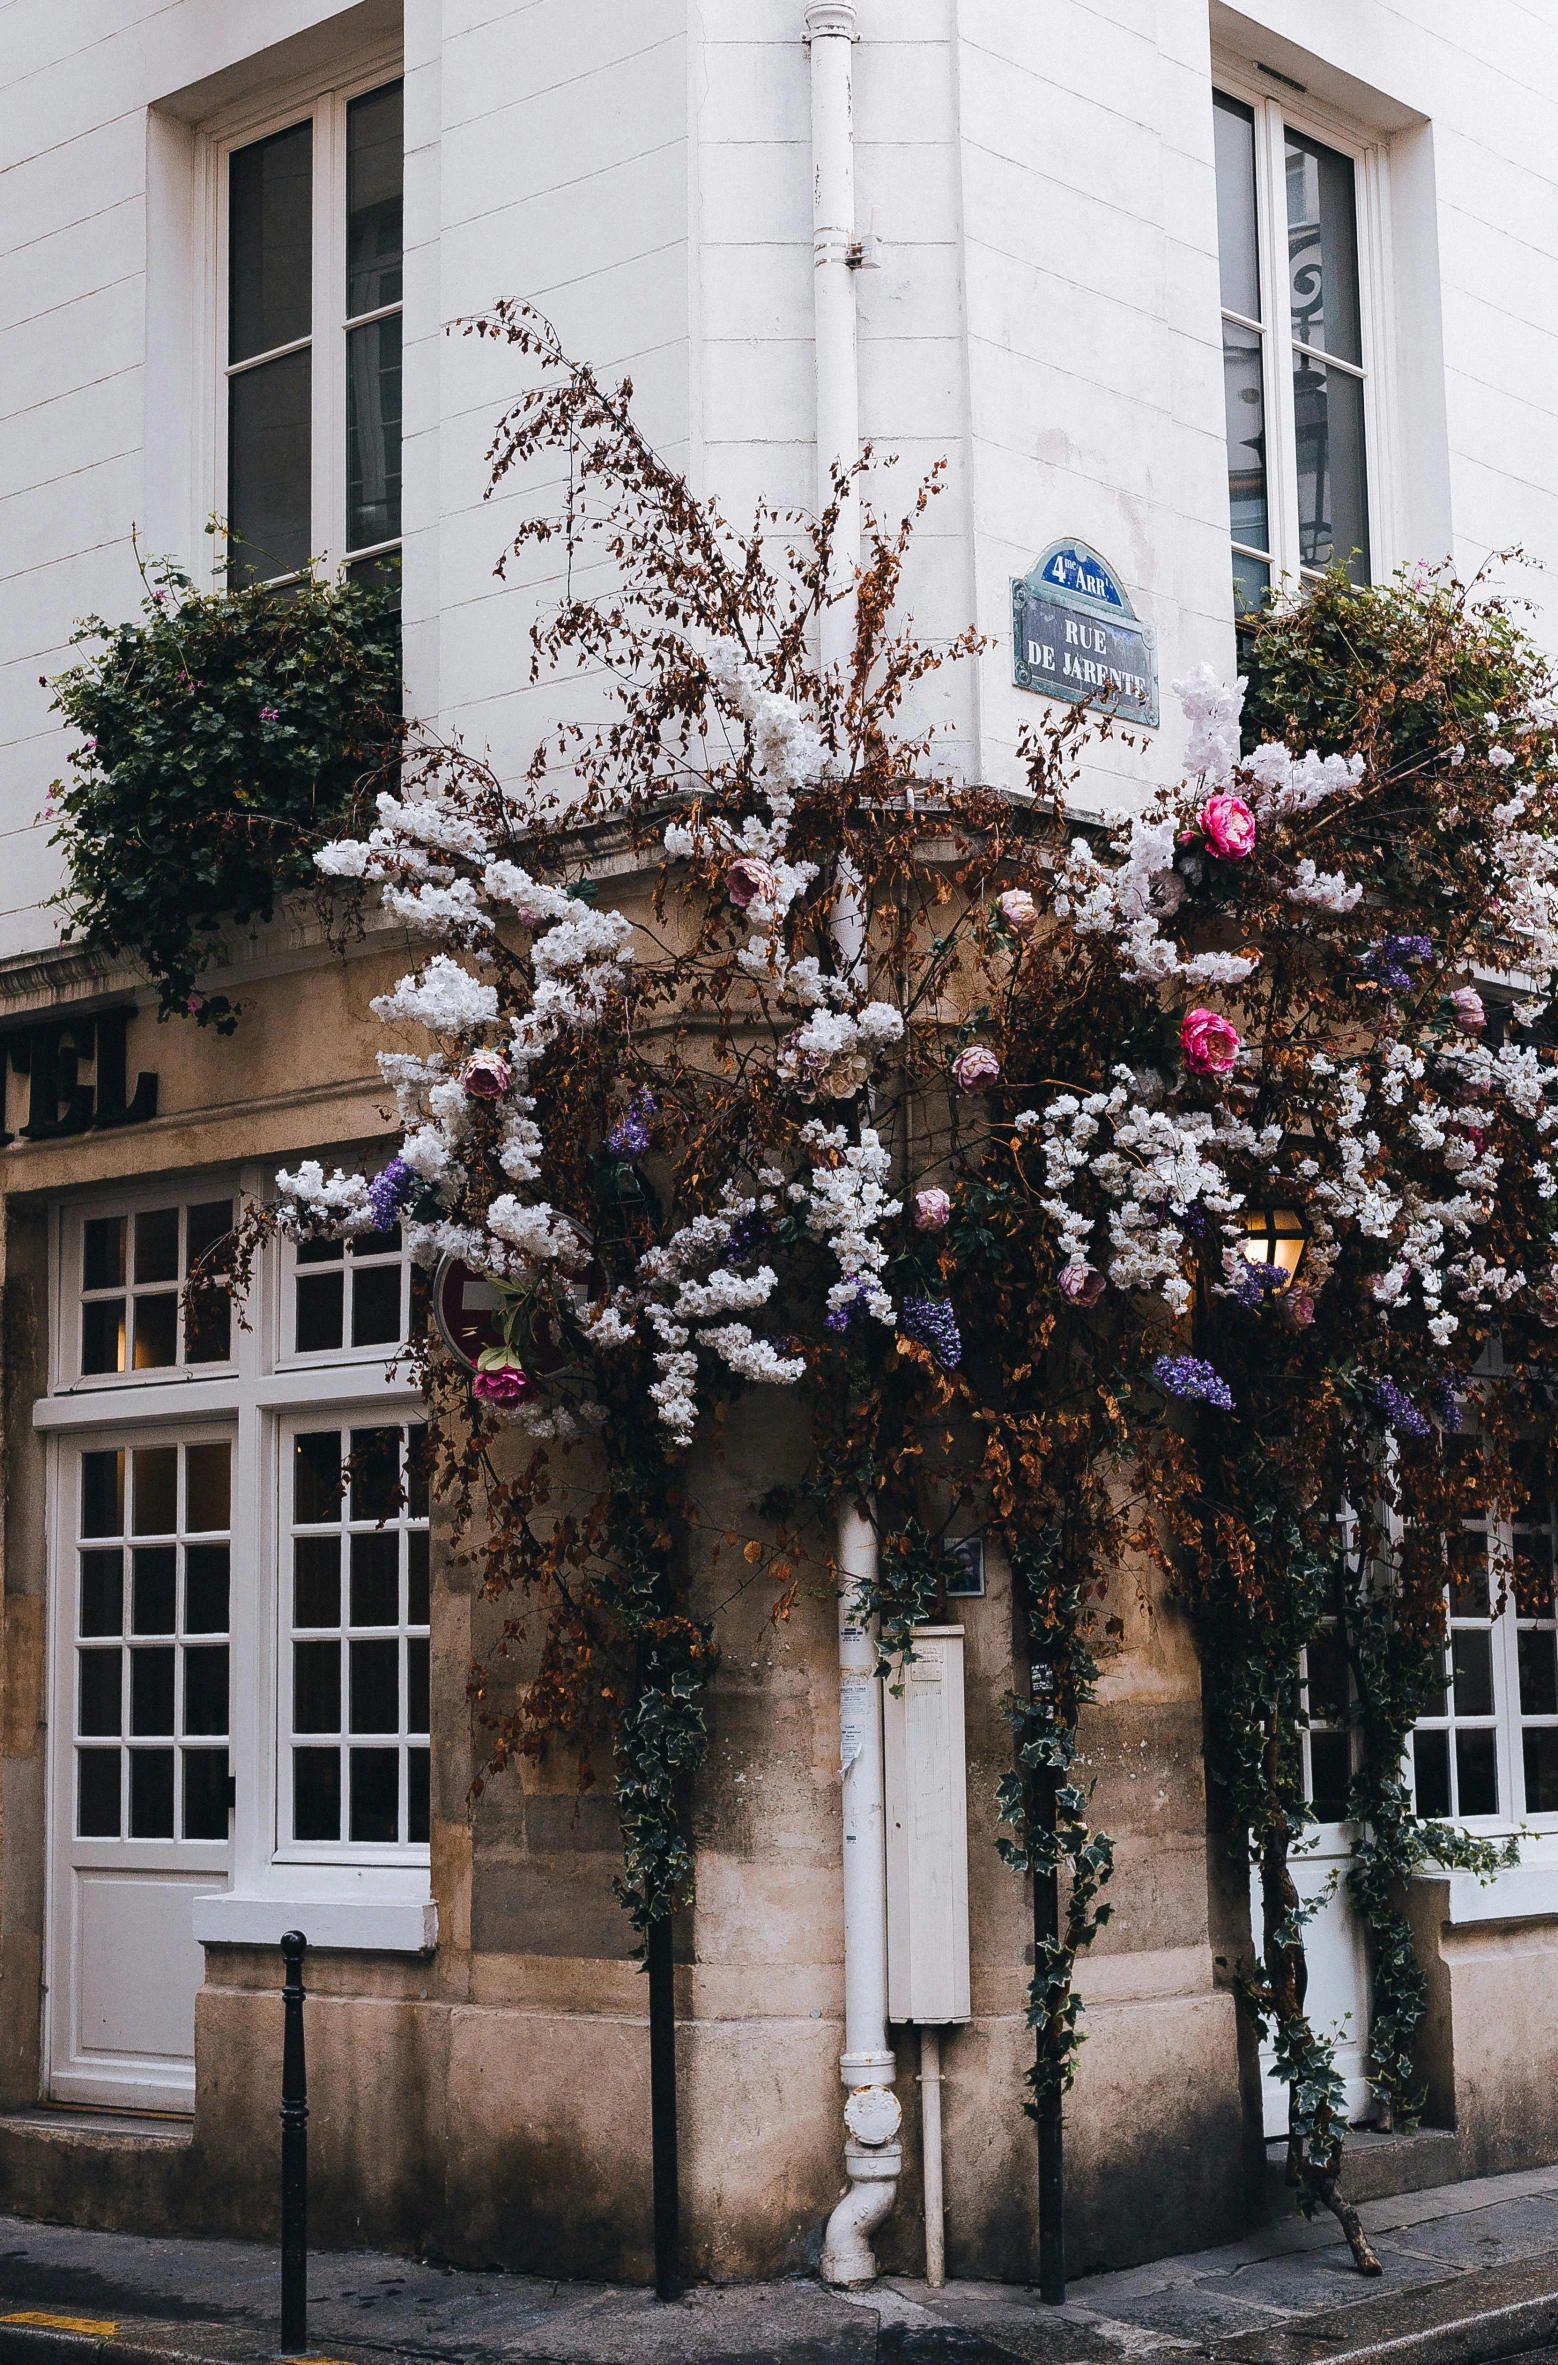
(224, 736)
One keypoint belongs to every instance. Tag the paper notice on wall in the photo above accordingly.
(854, 1717)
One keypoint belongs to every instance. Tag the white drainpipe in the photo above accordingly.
(873, 2160)
(872, 2157)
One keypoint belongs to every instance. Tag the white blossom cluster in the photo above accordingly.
(845, 1199)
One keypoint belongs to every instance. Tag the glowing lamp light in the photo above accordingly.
(1276, 1236)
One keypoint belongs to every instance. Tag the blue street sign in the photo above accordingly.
(1076, 636)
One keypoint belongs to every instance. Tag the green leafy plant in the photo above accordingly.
(224, 736)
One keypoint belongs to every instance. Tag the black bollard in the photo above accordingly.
(294, 2153)
(662, 2110)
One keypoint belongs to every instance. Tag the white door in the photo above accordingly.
(142, 1691)
(1338, 1999)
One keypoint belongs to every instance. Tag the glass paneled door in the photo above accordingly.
(142, 1787)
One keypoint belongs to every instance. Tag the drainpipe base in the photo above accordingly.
(848, 2259)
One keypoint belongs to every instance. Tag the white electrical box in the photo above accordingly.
(927, 1832)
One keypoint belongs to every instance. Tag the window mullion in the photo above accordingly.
(1281, 434)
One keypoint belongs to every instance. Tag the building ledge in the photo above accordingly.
(355, 1925)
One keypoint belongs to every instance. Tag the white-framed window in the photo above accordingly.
(355, 1617)
(307, 320)
(194, 1752)
(1486, 1752)
(1300, 218)
(349, 1297)
(123, 1270)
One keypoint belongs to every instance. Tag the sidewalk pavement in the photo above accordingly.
(1471, 2273)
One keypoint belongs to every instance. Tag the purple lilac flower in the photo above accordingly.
(932, 1322)
(1187, 1375)
(388, 1192)
(1397, 1410)
(840, 1317)
(1390, 963)
(1445, 1402)
(629, 1137)
(746, 1235)
(1258, 1281)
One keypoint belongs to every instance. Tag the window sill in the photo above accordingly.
(357, 1925)
(1522, 1892)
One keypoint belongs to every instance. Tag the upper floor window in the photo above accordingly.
(132, 1268)
(1296, 354)
(312, 339)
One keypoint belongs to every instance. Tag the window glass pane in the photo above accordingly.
(1251, 583)
(205, 1688)
(375, 1687)
(205, 1794)
(151, 1690)
(157, 1245)
(208, 1330)
(376, 1306)
(1244, 403)
(151, 1794)
(207, 1224)
(1538, 1675)
(1323, 248)
(1333, 508)
(316, 1581)
(375, 1472)
(156, 1489)
(102, 1334)
(1431, 1769)
(320, 1298)
(375, 173)
(376, 1579)
(154, 1589)
(316, 1687)
(1533, 1576)
(417, 1692)
(375, 1794)
(417, 1580)
(1326, 1660)
(417, 1795)
(102, 1592)
(319, 1252)
(1330, 1761)
(1476, 1773)
(316, 1794)
(270, 241)
(1237, 252)
(102, 1494)
(205, 1588)
(373, 433)
(97, 1793)
(1539, 1748)
(102, 1252)
(416, 1470)
(1472, 1662)
(207, 1487)
(316, 1476)
(1469, 1575)
(268, 469)
(101, 1689)
(156, 1332)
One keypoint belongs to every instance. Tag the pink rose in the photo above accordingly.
(506, 1385)
(485, 1075)
(1207, 1044)
(1297, 1308)
(932, 1209)
(974, 1068)
(1018, 909)
(1228, 826)
(1082, 1284)
(1470, 1015)
(750, 880)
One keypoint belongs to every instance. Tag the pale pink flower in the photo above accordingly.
(1082, 1284)
(1297, 1308)
(1018, 909)
(751, 880)
(975, 1067)
(1470, 1015)
(932, 1209)
(1228, 826)
(485, 1075)
(1208, 1044)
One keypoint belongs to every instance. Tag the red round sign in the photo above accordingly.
(468, 1308)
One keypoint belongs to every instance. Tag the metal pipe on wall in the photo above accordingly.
(930, 2145)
